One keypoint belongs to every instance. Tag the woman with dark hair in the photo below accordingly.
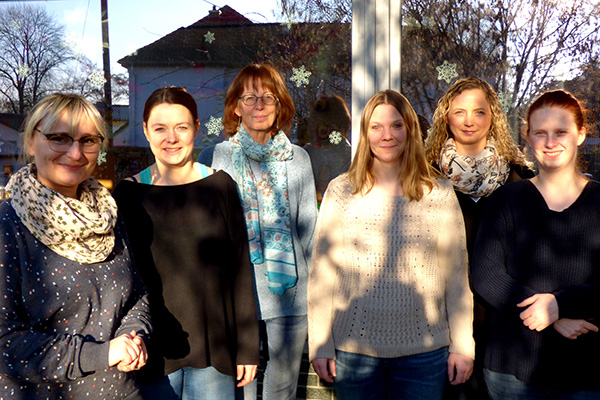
(187, 232)
(73, 312)
(389, 306)
(277, 191)
(536, 265)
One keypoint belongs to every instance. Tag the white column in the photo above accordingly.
(376, 44)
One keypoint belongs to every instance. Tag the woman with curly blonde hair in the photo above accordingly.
(471, 145)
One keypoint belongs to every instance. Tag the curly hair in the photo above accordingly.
(440, 131)
(415, 172)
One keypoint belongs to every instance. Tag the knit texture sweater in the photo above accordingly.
(303, 217)
(57, 317)
(524, 248)
(191, 244)
(389, 276)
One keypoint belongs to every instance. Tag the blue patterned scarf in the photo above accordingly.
(273, 226)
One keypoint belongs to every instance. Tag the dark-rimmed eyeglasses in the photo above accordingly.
(250, 99)
(62, 143)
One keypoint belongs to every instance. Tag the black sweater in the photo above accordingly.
(191, 246)
(524, 248)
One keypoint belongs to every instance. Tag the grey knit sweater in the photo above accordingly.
(389, 276)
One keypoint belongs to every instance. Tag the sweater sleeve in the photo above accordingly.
(307, 203)
(28, 353)
(452, 255)
(489, 276)
(327, 255)
(246, 316)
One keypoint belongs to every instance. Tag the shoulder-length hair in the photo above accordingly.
(256, 75)
(415, 172)
(440, 131)
(171, 95)
(47, 113)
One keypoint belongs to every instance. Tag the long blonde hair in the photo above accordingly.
(440, 131)
(415, 172)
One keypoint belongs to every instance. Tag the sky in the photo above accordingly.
(136, 23)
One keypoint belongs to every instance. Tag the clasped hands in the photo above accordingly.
(128, 352)
(541, 311)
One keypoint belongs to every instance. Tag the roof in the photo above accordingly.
(237, 41)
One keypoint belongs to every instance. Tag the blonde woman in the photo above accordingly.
(74, 313)
(390, 310)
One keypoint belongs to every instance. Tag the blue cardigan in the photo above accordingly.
(303, 210)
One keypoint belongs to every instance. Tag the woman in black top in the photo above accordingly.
(188, 235)
(536, 265)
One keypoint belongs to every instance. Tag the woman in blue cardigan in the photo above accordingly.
(277, 190)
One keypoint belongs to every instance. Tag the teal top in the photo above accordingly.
(146, 178)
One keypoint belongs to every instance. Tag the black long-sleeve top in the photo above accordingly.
(524, 248)
(191, 246)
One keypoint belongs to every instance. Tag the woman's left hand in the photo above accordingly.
(245, 374)
(541, 311)
(460, 368)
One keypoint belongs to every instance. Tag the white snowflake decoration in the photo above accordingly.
(23, 71)
(101, 157)
(209, 37)
(505, 101)
(300, 76)
(97, 80)
(214, 126)
(446, 71)
(335, 137)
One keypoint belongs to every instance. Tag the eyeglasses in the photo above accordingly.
(251, 99)
(61, 142)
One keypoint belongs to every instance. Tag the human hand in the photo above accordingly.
(541, 311)
(127, 352)
(245, 374)
(573, 328)
(460, 368)
(325, 368)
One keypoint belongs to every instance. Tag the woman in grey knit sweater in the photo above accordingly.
(389, 307)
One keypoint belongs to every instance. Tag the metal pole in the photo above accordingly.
(106, 65)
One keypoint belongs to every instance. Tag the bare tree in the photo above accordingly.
(33, 46)
(316, 10)
(520, 46)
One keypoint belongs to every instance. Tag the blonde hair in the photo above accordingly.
(440, 131)
(47, 112)
(415, 172)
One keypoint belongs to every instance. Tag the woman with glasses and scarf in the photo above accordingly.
(73, 312)
(277, 191)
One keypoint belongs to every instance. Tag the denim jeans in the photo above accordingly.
(508, 387)
(361, 377)
(286, 337)
(191, 384)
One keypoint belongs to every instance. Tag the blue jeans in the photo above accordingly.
(286, 337)
(508, 387)
(361, 377)
(191, 384)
